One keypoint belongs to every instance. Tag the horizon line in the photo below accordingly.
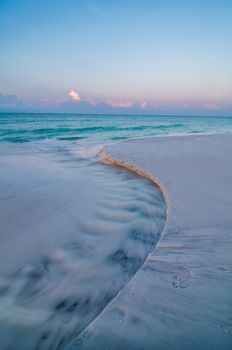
(123, 114)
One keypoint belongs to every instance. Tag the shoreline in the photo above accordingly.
(181, 296)
(107, 159)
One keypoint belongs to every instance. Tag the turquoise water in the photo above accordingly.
(102, 128)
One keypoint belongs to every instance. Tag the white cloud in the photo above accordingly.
(74, 95)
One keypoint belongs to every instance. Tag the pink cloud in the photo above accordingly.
(74, 95)
(212, 106)
(120, 104)
(143, 105)
(185, 105)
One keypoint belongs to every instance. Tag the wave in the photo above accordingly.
(71, 138)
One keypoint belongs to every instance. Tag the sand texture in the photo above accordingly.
(182, 296)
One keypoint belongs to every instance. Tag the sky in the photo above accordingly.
(124, 56)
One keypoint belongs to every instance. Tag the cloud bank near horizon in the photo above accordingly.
(73, 103)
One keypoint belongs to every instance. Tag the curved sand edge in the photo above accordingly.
(109, 160)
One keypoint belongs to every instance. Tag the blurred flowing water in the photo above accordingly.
(73, 231)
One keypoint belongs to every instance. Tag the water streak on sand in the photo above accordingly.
(80, 232)
(109, 160)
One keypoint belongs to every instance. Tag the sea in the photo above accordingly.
(22, 128)
(74, 231)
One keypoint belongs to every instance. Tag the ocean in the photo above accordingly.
(22, 128)
(73, 231)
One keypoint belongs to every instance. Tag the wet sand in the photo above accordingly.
(73, 233)
(181, 297)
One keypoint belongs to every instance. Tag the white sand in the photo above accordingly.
(182, 297)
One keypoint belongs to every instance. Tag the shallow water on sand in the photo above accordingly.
(73, 233)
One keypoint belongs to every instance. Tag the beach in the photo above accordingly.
(116, 175)
(181, 297)
(118, 244)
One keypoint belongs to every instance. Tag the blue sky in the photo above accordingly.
(147, 56)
